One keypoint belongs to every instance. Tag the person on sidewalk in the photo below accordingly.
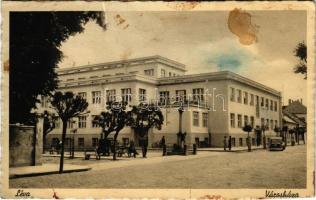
(230, 143)
(225, 143)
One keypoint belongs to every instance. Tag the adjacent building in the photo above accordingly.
(215, 104)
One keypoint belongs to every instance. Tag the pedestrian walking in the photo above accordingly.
(230, 143)
(225, 143)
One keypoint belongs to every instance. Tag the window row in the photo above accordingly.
(82, 123)
(164, 73)
(250, 120)
(237, 95)
(196, 119)
(241, 121)
(110, 95)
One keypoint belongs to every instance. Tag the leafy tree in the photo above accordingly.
(113, 120)
(142, 118)
(301, 53)
(247, 128)
(35, 41)
(68, 106)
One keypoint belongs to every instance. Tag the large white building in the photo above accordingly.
(217, 104)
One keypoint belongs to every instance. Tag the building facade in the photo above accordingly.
(215, 104)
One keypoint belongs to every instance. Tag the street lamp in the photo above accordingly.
(181, 136)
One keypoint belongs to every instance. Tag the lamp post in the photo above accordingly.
(181, 136)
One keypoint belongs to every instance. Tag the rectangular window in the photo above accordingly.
(82, 95)
(275, 106)
(233, 142)
(205, 119)
(96, 97)
(94, 142)
(271, 123)
(232, 120)
(142, 94)
(67, 142)
(126, 94)
(70, 123)
(198, 94)
(240, 142)
(252, 121)
(262, 102)
(82, 121)
(251, 99)
(246, 120)
(164, 97)
(232, 94)
(262, 122)
(44, 101)
(125, 141)
(257, 100)
(163, 73)
(180, 95)
(271, 105)
(267, 124)
(170, 74)
(239, 96)
(239, 121)
(195, 118)
(110, 95)
(276, 123)
(253, 141)
(267, 104)
(245, 97)
(94, 124)
(80, 142)
(149, 72)
(57, 123)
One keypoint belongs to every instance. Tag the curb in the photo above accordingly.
(13, 176)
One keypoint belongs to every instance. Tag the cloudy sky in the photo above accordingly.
(202, 41)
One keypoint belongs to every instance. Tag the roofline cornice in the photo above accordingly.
(120, 64)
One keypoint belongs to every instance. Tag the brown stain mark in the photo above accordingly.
(126, 26)
(239, 23)
(119, 20)
(184, 5)
(126, 54)
(6, 66)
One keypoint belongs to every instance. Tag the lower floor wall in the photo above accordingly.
(83, 141)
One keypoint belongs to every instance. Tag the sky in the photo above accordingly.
(202, 41)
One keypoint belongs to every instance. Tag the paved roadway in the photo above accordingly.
(258, 169)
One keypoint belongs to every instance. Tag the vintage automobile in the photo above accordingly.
(276, 144)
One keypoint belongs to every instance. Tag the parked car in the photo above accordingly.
(276, 144)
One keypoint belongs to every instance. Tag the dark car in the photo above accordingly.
(276, 144)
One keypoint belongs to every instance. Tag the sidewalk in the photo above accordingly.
(45, 169)
(233, 149)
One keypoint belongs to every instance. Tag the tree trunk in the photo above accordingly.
(44, 142)
(61, 165)
(114, 146)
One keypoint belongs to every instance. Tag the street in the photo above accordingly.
(257, 169)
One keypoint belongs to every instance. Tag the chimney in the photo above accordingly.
(301, 101)
(290, 101)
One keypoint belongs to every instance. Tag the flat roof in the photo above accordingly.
(121, 63)
(212, 76)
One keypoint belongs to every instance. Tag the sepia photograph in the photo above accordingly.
(187, 96)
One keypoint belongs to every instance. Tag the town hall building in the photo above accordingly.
(214, 104)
